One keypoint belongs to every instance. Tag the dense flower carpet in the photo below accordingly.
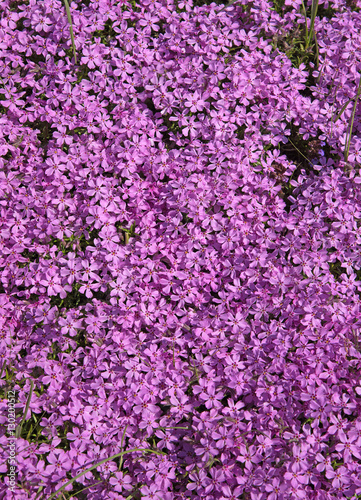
(180, 250)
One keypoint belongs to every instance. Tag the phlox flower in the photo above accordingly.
(121, 482)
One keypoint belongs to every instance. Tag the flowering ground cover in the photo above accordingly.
(180, 258)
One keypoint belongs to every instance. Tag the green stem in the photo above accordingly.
(320, 73)
(67, 8)
(90, 486)
(343, 109)
(333, 104)
(313, 17)
(228, 5)
(300, 152)
(347, 149)
(317, 53)
(19, 427)
(173, 354)
(2, 368)
(305, 14)
(121, 447)
(54, 495)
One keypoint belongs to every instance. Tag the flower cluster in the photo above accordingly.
(180, 250)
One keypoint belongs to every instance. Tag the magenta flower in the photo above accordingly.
(349, 448)
(71, 271)
(88, 289)
(236, 321)
(121, 482)
(59, 463)
(62, 137)
(224, 333)
(275, 489)
(148, 422)
(195, 102)
(340, 476)
(149, 21)
(91, 57)
(53, 286)
(215, 482)
(180, 406)
(167, 440)
(211, 397)
(249, 456)
(150, 492)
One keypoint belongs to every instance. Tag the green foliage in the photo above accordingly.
(336, 464)
(80, 131)
(292, 44)
(299, 45)
(335, 269)
(31, 430)
(72, 300)
(76, 299)
(83, 243)
(9, 379)
(311, 34)
(82, 73)
(66, 244)
(299, 150)
(279, 6)
(126, 233)
(107, 34)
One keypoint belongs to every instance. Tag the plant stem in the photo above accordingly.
(313, 17)
(19, 427)
(305, 14)
(67, 8)
(300, 152)
(347, 148)
(54, 495)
